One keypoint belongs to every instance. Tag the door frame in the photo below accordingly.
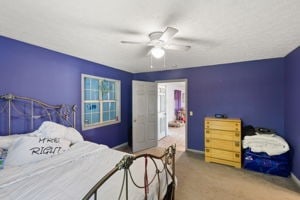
(158, 112)
(186, 104)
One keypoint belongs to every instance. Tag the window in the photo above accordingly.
(100, 101)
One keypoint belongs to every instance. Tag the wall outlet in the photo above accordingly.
(191, 113)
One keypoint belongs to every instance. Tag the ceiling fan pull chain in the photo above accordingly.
(151, 66)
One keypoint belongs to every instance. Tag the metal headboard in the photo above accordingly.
(29, 113)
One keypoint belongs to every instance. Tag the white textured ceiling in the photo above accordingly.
(219, 31)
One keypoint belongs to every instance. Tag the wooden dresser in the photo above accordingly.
(223, 141)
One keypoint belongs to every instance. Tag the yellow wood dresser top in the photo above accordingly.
(223, 119)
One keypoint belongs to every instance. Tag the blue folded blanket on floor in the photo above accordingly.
(262, 162)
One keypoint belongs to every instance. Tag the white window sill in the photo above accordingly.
(92, 126)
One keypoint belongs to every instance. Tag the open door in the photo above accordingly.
(144, 115)
(162, 111)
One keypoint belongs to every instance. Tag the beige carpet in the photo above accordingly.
(199, 180)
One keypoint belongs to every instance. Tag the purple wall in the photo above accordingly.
(55, 78)
(292, 106)
(252, 91)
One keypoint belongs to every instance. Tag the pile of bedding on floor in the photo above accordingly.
(266, 152)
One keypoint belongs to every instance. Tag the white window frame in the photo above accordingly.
(83, 101)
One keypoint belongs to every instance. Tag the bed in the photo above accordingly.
(82, 169)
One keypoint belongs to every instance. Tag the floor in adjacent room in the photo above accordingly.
(176, 136)
(199, 180)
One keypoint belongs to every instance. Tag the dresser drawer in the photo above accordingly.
(224, 162)
(223, 144)
(222, 154)
(223, 135)
(223, 125)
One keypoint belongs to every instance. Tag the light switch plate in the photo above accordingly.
(191, 113)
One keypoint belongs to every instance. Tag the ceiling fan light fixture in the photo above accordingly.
(157, 52)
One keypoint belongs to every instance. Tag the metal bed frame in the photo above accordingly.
(33, 112)
(168, 161)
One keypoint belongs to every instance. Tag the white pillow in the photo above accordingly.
(32, 149)
(51, 130)
(73, 135)
(6, 141)
(54, 130)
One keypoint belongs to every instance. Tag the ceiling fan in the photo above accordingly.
(159, 41)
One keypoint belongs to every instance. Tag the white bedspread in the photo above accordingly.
(270, 144)
(72, 174)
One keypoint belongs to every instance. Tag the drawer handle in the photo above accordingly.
(207, 150)
(237, 155)
(237, 134)
(237, 144)
(207, 141)
(207, 131)
(236, 129)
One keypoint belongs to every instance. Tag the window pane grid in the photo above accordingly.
(92, 113)
(109, 110)
(108, 90)
(100, 101)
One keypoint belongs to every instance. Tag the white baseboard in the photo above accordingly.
(121, 145)
(295, 179)
(195, 151)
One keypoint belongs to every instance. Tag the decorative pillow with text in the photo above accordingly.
(54, 130)
(32, 149)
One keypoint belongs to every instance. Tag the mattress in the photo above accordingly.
(261, 162)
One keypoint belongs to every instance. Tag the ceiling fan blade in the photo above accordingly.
(132, 42)
(142, 51)
(168, 34)
(177, 47)
(148, 52)
(207, 42)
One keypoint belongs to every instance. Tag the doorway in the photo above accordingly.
(172, 113)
